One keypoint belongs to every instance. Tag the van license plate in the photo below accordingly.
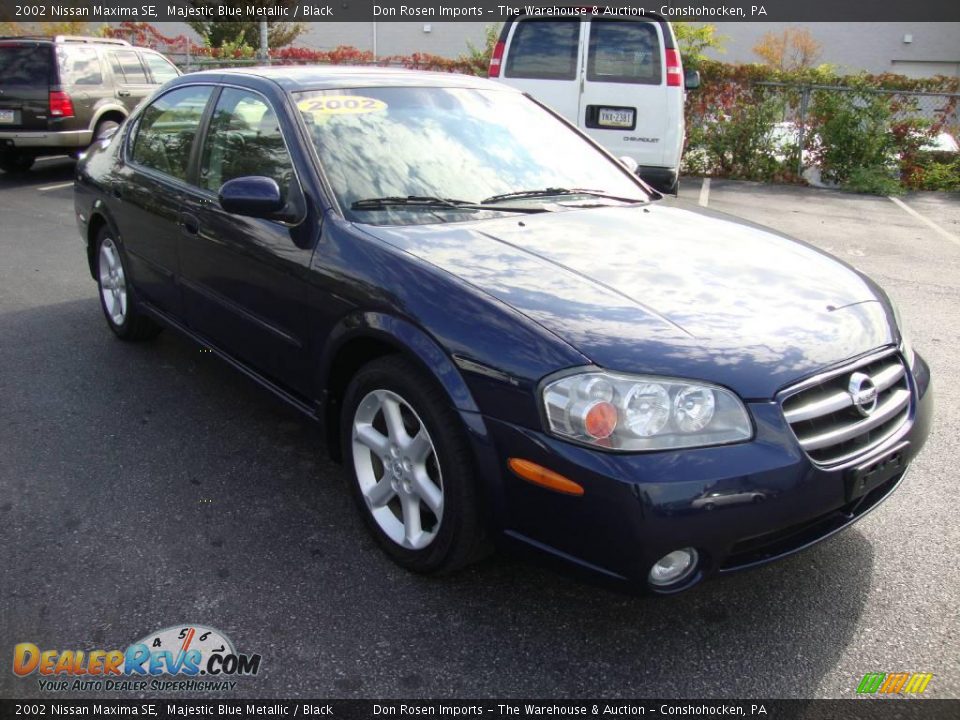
(615, 118)
(7, 116)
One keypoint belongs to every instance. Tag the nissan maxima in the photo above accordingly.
(503, 333)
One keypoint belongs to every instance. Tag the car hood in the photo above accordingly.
(667, 290)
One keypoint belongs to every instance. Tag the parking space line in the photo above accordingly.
(930, 223)
(704, 193)
(58, 186)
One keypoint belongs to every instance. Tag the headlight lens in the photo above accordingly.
(641, 412)
(906, 346)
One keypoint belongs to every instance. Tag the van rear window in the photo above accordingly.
(25, 64)
(624, 51)
(544, 49)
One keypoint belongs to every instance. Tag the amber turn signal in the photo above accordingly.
(543, 477)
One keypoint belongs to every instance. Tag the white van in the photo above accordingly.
(619, 80)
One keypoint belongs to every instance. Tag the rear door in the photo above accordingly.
(27, 70)
(130, 76)
(624, 103)
(543, 58)
(151, 191)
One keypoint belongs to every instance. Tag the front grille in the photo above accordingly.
(826, 421)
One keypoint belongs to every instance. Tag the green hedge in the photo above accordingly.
(868, 135)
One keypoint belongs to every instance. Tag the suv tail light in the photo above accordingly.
(494, 70)
(61, 105)
(674, 69)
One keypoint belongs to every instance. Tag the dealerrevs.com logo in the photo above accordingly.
(199, 657)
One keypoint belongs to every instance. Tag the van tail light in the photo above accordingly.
(494, 70)
(674, 69)
(61, 105)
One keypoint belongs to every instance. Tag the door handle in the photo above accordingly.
(123, 93)
(189, 223)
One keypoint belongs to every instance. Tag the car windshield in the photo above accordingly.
(494, 148)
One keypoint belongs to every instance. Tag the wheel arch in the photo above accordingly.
(365, 336)
(99, 219)
(117, 113)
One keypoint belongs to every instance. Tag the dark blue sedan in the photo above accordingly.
(504, 334)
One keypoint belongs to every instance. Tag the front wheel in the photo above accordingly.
(116, 300)
(409, 467)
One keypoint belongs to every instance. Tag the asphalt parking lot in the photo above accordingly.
(144, 486)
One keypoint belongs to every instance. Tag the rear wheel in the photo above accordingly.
(104, 127)
(116, 300)
(409, 467)
(16, 162)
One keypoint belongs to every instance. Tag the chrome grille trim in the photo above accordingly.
(825, 421)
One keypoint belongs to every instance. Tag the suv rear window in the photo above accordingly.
(25, 64)
(79, 66)
(544, 49)
(624, 51)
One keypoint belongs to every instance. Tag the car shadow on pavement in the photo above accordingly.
(162, 487)
(45, 172)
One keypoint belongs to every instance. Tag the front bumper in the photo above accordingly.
(38, 140)
(740, 505)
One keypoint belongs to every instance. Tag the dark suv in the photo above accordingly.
(58, 94)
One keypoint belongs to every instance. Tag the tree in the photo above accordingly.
(793, 49)
(217, 33)
(50, 28)
(694, 39)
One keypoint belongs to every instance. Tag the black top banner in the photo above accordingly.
(475, 10)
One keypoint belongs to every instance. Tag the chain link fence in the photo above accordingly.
(824, 134)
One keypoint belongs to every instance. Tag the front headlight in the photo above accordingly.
(611, 411)
(906, 346)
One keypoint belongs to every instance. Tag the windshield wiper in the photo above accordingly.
(428, 202)
(555, 192)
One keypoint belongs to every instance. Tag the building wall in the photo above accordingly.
(874, 47)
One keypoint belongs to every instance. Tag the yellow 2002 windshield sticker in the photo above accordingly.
(340, 105)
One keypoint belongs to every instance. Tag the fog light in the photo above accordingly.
(673, 567)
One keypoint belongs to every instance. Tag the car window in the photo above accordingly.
(244, 139)
(450, 143)
(79, 66)
(129, 65)
(25, 64)
(544, 49)
(166, 130)
(161, 69)
(624, 51)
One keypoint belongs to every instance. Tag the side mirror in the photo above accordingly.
(629, 163)
(691, 79)
(253, 196)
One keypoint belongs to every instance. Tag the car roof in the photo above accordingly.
(296, 78)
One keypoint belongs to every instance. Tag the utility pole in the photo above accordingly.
(264, 44)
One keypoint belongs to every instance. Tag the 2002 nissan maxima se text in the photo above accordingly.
(502, 332)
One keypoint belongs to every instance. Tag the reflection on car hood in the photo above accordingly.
(667, 290)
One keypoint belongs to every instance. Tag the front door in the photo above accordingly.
(245, 279)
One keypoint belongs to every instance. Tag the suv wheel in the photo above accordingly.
(410, 468)
(116, 300)
(103, 128)
(16, 162)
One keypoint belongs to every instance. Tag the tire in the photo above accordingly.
(16, 163)
(430, 528)
(116, 299)
(103, 127)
